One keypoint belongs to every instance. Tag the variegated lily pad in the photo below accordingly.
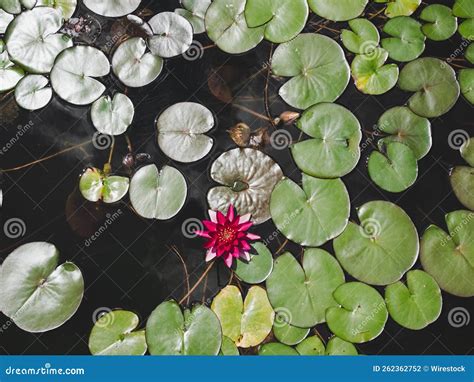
(95, 185)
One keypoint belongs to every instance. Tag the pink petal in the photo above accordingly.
(211, 254)
(245, 246)
(245, 226)
(221, 219)
(244, 218)
(231, 213)
(211, 226)
(228, 260)
(202, 234)
(245, 255)
(252, 236)
(213, 216)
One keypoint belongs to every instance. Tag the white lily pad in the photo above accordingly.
(338, 10)
(5, 19)
(248, 177)
(10, 74)
(67, 7)
(194, 11)
(173, 35)
(32, 92)
(95, 185)
(112, 8)
(181, 131)
(11, 6)
(112, 115)
(158, 194)
(36, 293)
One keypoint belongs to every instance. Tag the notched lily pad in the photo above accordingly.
(10, 74)
(172, 35)
(112, 115)
(363, 37)
(95, 185)
(441, 24)
(32, 92)
(397, 8)
(67, 7)
(194, 11)
(407, 41)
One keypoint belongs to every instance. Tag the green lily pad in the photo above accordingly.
(462, 181)
(373, 251)
(435, 86)
(338, 10)
(363, 37)
(440, 22)
(370, 74)
(470, 53)
(407, 41)
(158, 194)
(67, 7)
(466, 29)
(286, 333)
(194, 11)
(113, 334)
(394, 168)
(181, 131)
(173, 35)
(467, 151)
(397, 8)
(449, 258)
(248, 322)
(133, 65)
(5, 19)
(406, 127)
(258, 268)
(304, 293)
(32, 92)
(337, 346)
(362, 313)
(248, 177)
(112, 115)
(36, 293)
(466, 80)
(227, 27)
(73, 74)
(228, 347)
(10, 74)
(311, 346)
(112, 8)
(11, 6)
(417, 304)
(318, 67)
(333, 150)
(95, 185)
(32, 39)
(465, 9)
(274, 15)
(276, 349)
(170, 332)
(313, 215)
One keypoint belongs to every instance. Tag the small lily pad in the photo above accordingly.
(173, 35)
(95, 185)
(181, 131)
(288, 334)
(304, 292)
(247, 322)
(248, 177)
(470, 53)
(112, 115)
(133, 65)
(394, 168)
(370, 73)
(258, 268)
(227, 27)
(311, 346)
(169, 331)
(311, 215)
(362, 38)
(74, 72)
(333, 150)
(228, 347)
(338, 10)
(397, 8)
(466, 80)
(362, 313)
(449, 258)
(32, 92)
(337, 346)
(462, 181)
(467, 151)
(435, 86)
(67, 7)
(112, 8)
(406, 127)
(417, 304)
(194, 11)
(113, 334)
(465, 9)
(406, 41)
(373, 252)
(276, 349)
(36, 293)
(440, 22)
(274, 15)
(318, 69)
(10, 74)
(158, 194)
(466, 29)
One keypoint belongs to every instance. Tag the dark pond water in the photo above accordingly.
(131, 265)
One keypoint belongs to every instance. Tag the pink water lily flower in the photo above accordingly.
(228, 236)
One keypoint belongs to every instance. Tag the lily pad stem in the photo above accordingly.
(209, 267)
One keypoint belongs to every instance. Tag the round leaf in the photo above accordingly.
(67, 7)
(158, 194)
(337, 346)
(302, 294)
(440, 22)
(113, 334)
(10, 74)
(311, 346)
(466, 29)
(470, 53)
(5, 20)
(112, 116)
(313, 215)
(375, 252)
(467, 151)
(32, 92)
(334, 149)
(248, 178)
(169, 332)
(362, 38)
(288, 334)
(362, 313)
(258, 268)
(181, 131)
(397, 8)
(112, 8)
(36, 293)
(194, 11)
(318, 67)
(95, 186)
(407, 41)
(464, 9)
(462, 181)
(417, 304)
(338, 10)
(466, 80)
(228, 347)
(277, 349)
(173, 34)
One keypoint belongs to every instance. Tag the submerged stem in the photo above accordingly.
(209, 267)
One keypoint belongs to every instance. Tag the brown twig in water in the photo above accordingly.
(186, 274)
(281, 247)
(265, 91)
(250, 111)
(209, 267)
(129, 144)
(111, 153)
